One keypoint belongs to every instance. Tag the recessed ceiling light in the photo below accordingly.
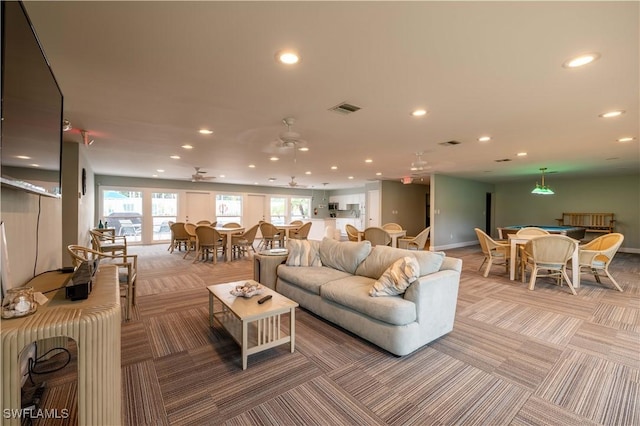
(521, 154)
(581, 60)
(484, 138)
(154, 175)
(308, 172)
(379, 174)
(304, 149)
(626, 139)
(205, 131)
(334, 167)
(288, 57)
(187, 147)
(23, 157)
(350, 177)
(272, 179)
(252, 166)
(368, 160)
(34, 165)
(160, 170)
(175, 157)
(612, 114)
(274, 158)
(221, 176)
(419, 112)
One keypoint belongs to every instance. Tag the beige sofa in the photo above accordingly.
(339, 291)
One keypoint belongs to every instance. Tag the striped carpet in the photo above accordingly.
(515, 357)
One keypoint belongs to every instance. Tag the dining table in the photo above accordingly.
(394, 236)
(515, 240)
(229, 234)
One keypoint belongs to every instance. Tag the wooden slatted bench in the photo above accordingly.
(593, 222)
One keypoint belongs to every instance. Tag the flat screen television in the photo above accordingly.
(31, 108)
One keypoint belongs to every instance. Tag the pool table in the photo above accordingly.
(575, 232)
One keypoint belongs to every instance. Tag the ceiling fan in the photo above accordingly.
(199, 176)
(289, 138)
(293, 184)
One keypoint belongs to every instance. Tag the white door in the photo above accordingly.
(199, 207)
(373, 208)
(254, 212)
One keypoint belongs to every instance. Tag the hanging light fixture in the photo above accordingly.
(542, 189)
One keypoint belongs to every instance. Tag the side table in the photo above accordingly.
(265, 264)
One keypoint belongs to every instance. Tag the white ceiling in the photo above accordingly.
(143, 77)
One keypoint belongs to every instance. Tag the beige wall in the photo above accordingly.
(405, 205)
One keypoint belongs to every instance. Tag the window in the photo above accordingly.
(278, 210)
(228, 208)
(122, 210)
(300, 208)
(164, 209)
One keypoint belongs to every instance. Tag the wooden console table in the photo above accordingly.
(94, 324)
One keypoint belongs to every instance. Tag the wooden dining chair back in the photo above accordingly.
(597, 254)
(108, 243)
(495, 252)
(392, 227)
(190, 229)
(352, 232)
(418, 242)
(547, 256)
(532, 230)
(179, 236)
(301, 233)
(271, 234)
(127, 271)
(243, 242)
(208, 240)
(377, 236)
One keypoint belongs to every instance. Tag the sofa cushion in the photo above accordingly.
(303, 253)
(381, 257)
(344, 256)
(397, 277)
(311, 277)
(353, 293)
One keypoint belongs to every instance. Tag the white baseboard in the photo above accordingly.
(456, 245)
(629, 250)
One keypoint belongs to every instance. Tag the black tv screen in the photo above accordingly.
(31, 126)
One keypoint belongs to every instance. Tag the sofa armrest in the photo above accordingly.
(265, 269)
(435, 296)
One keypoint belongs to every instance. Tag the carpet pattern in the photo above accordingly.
(515, 357)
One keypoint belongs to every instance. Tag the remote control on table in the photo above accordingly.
(264, 299)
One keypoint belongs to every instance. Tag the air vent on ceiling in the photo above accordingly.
(503, 160)
(450, 143)
(345, 108)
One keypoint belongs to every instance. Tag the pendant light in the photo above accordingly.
(542, 189)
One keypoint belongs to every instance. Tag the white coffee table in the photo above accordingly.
(255, 327)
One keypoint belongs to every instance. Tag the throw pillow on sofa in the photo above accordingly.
(397, 278)
(303, 253)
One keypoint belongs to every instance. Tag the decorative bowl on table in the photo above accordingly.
(247, 290)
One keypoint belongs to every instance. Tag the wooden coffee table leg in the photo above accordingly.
(292, 329)
(210, 309)
(245, 343)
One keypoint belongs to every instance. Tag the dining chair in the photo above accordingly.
(522, 256)
(203, 222)
(271, 234)
(297, 222)
(550, 253)
(108, 243)
(495, 252)
(416, 243)
(301, 233)
(179, 236)
(127, 270)
(241, 243)
(232, 225)
(190, 229)
(377, 236)
(352, 232)
(392, 227)
(208, 240)
(597, 254)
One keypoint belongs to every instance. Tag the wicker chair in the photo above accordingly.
(190, 229)
(241, 243)
(208, 240)
(179, 236)
(598, 253)
(494, 252)
(301, 233)
(108, 243)
(377, 236)
(416, 243)
(352, 232)
(271, 234)
(392, 227)
(550, 253)
(127, 271)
